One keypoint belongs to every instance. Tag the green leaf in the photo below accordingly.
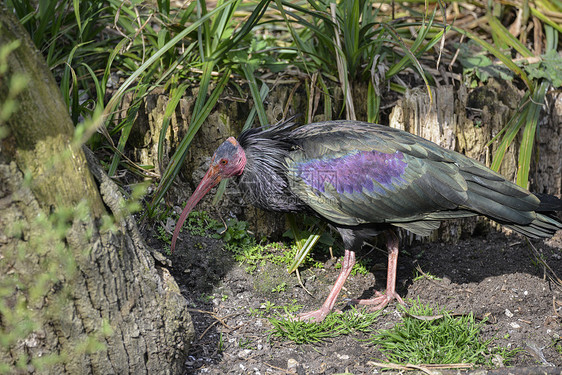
(548, 68)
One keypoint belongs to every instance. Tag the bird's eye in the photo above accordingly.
(223, 162)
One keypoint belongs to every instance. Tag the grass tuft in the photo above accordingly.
(333, 326)
(430, 335)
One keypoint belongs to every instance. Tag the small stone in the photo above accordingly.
(508, 313)
(525, 293)
(292, 365)
(497, 360)
(514, 325)
(342, 357)
(244, 353)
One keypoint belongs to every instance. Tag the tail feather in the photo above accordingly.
(549, 203)
(497, 211)
(546, 223)
(542, 227)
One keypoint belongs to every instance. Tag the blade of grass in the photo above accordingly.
(545, 19)
(302, 248)
(511, 131)
(175, 97)
(373, 104)
(126, 127)
(342, 65)
(248, 70)
(264, 91)
(327, 99)
(506, 36)
(526, 148)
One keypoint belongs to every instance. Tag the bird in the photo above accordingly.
(367, 179)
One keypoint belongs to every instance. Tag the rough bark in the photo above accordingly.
(75, 298)
(547, 176)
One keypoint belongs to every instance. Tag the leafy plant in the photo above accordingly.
(235, 234)
(199, 223)
(280, 288)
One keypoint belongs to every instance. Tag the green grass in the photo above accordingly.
(334, 325)
(430, 335)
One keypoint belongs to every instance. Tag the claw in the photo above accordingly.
(315, 316)
(380, 302)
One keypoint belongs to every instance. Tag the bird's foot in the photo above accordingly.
(380, 301)
(315, 316)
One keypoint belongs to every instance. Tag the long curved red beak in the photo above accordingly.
(211, 179)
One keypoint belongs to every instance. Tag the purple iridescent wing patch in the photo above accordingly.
(355, 172)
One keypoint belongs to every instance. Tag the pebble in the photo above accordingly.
(292, 365)
(514, 325)
(244, 353)
(497, 360)
(343, 357)
(508, 313)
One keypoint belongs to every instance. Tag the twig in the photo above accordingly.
(300, 282)
(456, 55)
(278, 368)
(207, 330)
(427, 277)
(425, 367)
(219, 320)
(551, 274)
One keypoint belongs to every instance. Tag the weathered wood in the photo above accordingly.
(547, 176)
(77, 297)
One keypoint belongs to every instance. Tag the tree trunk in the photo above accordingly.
(79, 293)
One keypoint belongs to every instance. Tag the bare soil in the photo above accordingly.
(493, 275)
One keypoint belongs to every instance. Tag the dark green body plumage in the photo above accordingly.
(357, 174)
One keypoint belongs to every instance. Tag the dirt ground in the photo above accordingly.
(494, 275)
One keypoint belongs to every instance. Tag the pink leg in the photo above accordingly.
(381, 300)
(319, 315)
